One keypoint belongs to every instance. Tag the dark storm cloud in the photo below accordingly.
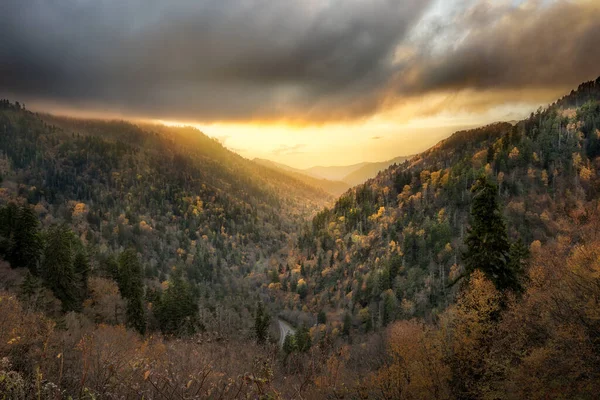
(203, 60)
(303, 60)
(536, 45)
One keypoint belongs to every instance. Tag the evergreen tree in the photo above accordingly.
(389, 307)
(25, 244)
(347, 325)
(289, 344)
(111, 267)
(177, 308)
(81, 265)
(262, 320)
(490, 154)
(30, 286)
(131, 288)
(303, 339)
(274, 276)
(488, 248)
(518, 261)
(57, 267)
(302, 290)
(321, 317)
(8, 221)
(30, 289)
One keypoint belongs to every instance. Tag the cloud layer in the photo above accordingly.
(302, 60)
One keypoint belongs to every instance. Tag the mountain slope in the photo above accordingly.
(333, 187)
(176, 196)
(370, 170)
(334, 173)
(393, 247)
(390, 248)
(352, 174)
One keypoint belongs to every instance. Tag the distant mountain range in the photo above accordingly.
(336, 179)
(334, 187)
(370, 170)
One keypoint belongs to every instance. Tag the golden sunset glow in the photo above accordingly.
(299, 199)
(312, 86)
(408, 128)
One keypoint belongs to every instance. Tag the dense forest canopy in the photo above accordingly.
(147, 261)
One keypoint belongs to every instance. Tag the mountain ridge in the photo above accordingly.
(351, 175)
(333, 187)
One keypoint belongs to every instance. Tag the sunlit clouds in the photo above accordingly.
(300, 82)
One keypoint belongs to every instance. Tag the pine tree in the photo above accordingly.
(30, 286)
(81, 265)
(303, 339)
(25, 244)
(302, 290)
(57, 267)
(321, 317)
(30, 289)
(518, 261)
(389, 307)
(262, 320)
(490, 154)
(347, 325)
(289, 344)
(132, 288)
(111, 267)
(177, 308)
(488, 248)
(8, 220)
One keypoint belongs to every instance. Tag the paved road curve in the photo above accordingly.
(284, 330)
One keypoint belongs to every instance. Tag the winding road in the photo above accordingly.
(284, 330)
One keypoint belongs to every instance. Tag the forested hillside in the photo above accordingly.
(370, 170)
(333, 187)
(150, 262)
(393, 248)
(173, 198)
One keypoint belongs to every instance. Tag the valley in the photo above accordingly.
(145, 261)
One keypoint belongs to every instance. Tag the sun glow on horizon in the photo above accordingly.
(379, 138)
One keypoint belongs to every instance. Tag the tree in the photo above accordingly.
(177, 308)
(322, 317)
(8, 220)
(24, 244)
(132, 288)
(303, 339)
(30, 289)
(490, 154)
(347, 325)
(488, 248)
(111, 267)
(389, 307)
(474, 323)
(81, 265)
(289, 344)
(57, 267)
(519, 259)
(302, 289)
(262, 320)
(29, 286)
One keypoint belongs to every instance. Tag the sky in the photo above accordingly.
(302, 82)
